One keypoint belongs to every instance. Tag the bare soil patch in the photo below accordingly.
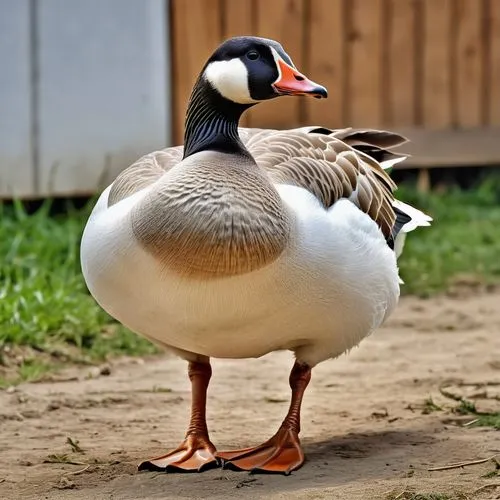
(367, 429)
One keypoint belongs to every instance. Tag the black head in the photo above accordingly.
(249, 69)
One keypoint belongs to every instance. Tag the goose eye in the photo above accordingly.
(253, 55)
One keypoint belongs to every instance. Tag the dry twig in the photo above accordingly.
(74, 444)
(471, 422)
(462, 464)
(78, 471)
(486, 487)
(62, 459)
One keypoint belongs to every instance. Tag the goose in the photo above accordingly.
(246, 241)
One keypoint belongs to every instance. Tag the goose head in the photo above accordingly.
(242, 72)
(246, 70)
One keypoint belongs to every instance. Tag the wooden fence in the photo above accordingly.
(85, 87)
(430, 68)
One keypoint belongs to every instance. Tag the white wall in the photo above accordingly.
(95, 92)
(16, 165)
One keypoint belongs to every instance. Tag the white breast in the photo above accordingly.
(334, 285)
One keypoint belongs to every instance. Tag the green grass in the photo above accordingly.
(430, 496)
(464, 406)
(44, 303)
(45, 306)
(410, 495)
(492, 419)
(495, 472)
(430, 407)
(464, 238)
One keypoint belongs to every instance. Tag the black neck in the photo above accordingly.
(212, 122)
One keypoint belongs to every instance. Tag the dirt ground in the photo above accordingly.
(365, 430)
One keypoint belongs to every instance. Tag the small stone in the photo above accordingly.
(487, 406)
(21, 398)
(30, 414)
(10, 390)
(93, 372)
(53, 405)
(65, 484)
(105, 370)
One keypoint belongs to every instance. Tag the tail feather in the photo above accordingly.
(416, 217)
(408, 218)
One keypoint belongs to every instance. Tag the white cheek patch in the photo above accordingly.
(230, 78)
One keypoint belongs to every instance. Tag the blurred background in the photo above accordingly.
(86, 87)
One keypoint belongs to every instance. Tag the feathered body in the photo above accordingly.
(205, 258)
(248, 241)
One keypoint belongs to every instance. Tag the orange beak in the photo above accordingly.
(292, 82)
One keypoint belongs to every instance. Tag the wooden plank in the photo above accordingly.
(238, 16)
(326, 61)
(102, 88)
(281, 20)
(494, 63)
(16, 165)
(451, 148)
(196, 30)
(400, 92)
(467, 104)
(365, 63)
(437, 63)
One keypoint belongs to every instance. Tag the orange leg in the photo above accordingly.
(196, 452)
(282, 453)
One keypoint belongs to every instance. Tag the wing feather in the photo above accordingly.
(322, 162)
(331, 164)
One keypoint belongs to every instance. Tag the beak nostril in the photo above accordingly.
(292, 82)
